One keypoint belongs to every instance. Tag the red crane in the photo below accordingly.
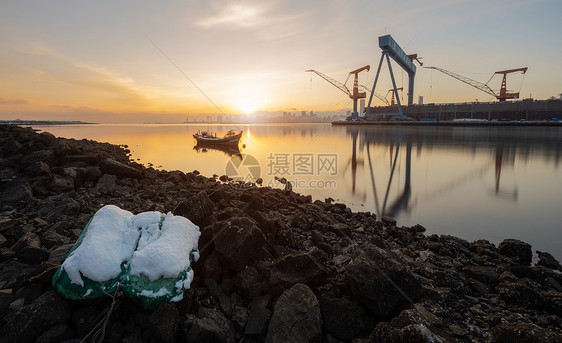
(353, 95)
(503, 94)
(392, 90)
(503, 91)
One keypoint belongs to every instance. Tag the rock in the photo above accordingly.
(46, 138)
(415, 333)
(547, 260)
(341, 259)
(61, 184)
(12, 147)
(258, 315)
(486, 275)
(248, 283)
(295, 268)
(91, 159)
(84, 319)
(52, 239)
(164, 322)
(238, 242)
(520, 333)
(387, 221)
(53, 210)
(92, 174)
(107, 184)
(196, 208)
(345, 319)
(520, 294)
(59, 254)
(38, 169)
(211, 326)
(296, 317)
(381, 283)
(15, 191)
(517, 250)
(121, 170)
(239, 317)
(30, 239)
(46, 156)
(32, 320)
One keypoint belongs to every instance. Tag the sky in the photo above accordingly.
(154, 61)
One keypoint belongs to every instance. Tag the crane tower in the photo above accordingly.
(355, 94)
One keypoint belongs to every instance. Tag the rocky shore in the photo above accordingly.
(275, 266)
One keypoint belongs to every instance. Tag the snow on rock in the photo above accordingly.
(109, 241)
(168, 254)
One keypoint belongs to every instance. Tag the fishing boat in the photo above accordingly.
(208, 137)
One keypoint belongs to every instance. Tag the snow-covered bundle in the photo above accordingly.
(147, 255)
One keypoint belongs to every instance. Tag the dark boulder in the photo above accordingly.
(195, 208)
(345, 319)
(46, 156)
(211, 327)
(295, 268)
(257, 316)
(26, 324)
(547, 260)
(61, 184)
(164, 323)
(238, 241)
(15, 191)
(296, 317)
(520, 333)
(382, 283)
(106, 184)
(110, 166)
(518, 251)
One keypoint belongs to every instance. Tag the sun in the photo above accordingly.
(247, 99)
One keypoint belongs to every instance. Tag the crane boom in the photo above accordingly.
(341, 86)
(336, 83)
(381, 98)
(476, 84)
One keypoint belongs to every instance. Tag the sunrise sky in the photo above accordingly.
(99, 61)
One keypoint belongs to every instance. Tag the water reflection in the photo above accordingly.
(228, 150)
(471, 164)
(474, 182)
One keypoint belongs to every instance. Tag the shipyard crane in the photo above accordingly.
(380, 97)
(341, 86)
(392, 90)
(503, 94)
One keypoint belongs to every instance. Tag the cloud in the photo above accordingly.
(100, 84)
(4, 101)
(237, 15)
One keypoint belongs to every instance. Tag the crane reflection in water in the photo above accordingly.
(398, 141)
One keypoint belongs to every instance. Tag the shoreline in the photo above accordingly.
(268, 258)
(448, 123)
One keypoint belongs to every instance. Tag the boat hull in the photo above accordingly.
(229, 140)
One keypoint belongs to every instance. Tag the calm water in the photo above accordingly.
(490, 183)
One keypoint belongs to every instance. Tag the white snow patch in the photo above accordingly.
(177, 298)
(109, 241)
(167, 255)
(150, 294)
